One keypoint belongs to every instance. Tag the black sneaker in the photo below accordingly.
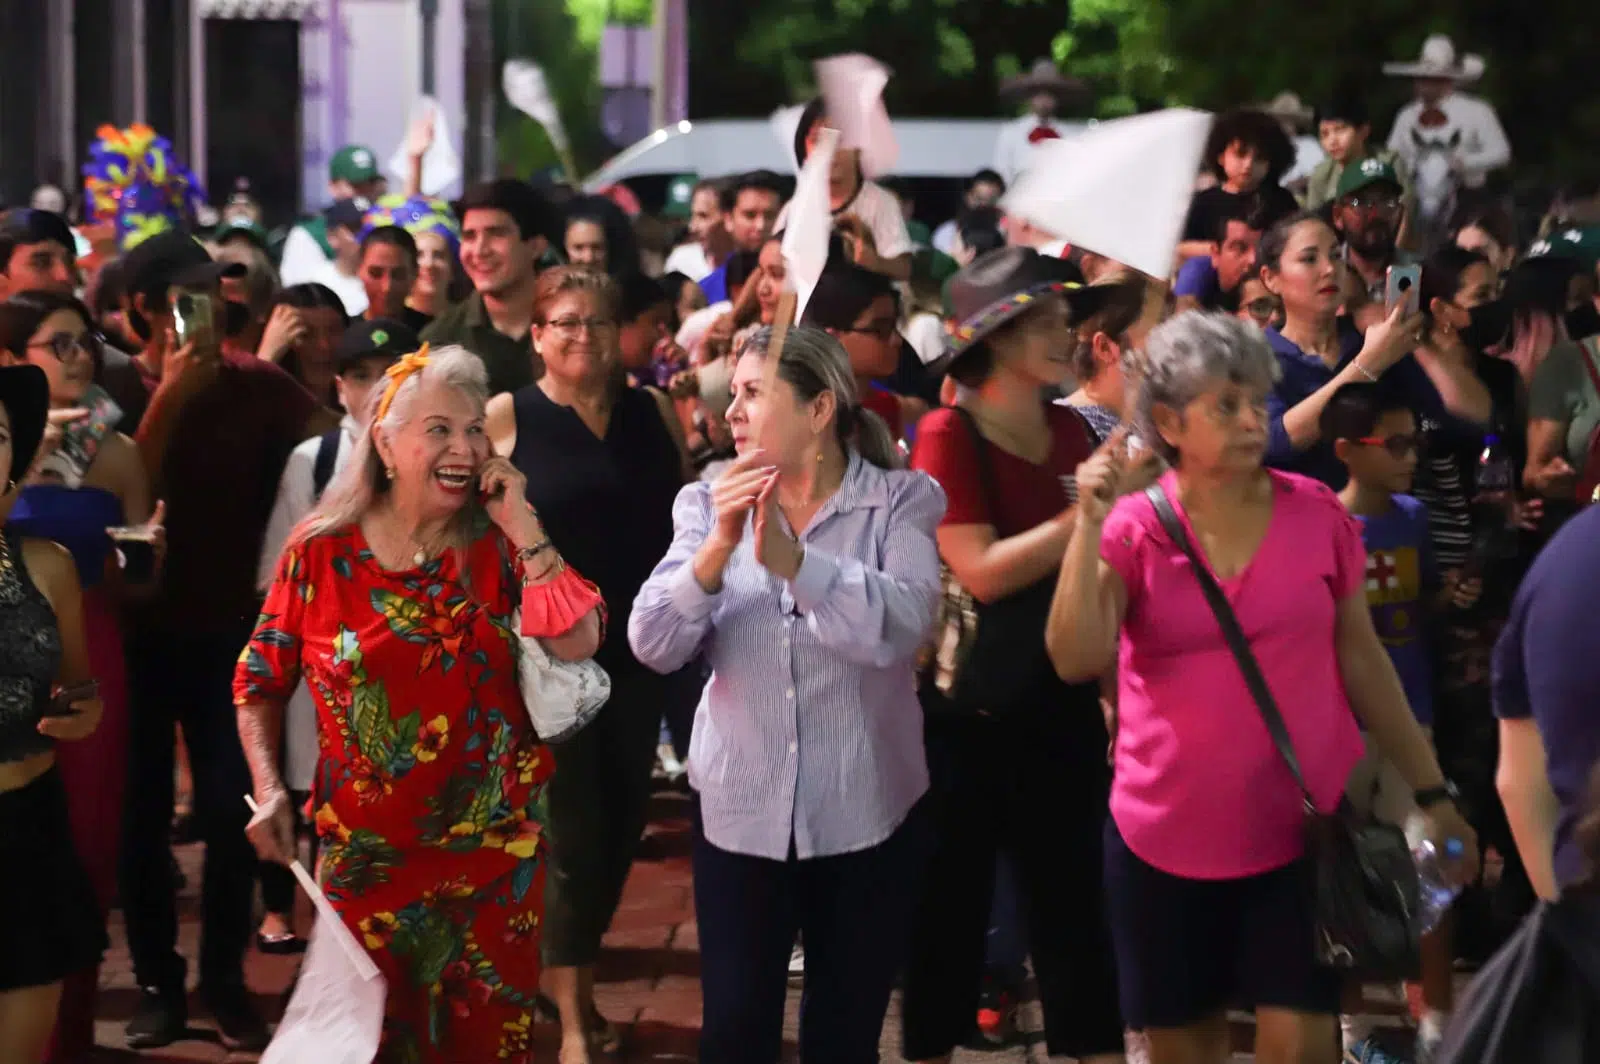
(161, 1018)
(238, 1022)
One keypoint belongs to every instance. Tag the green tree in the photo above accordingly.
(564, 39)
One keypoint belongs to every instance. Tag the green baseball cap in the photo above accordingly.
(1581, 244)
(680, 196)
(241, 227)
(1368, 171)
(354, 163)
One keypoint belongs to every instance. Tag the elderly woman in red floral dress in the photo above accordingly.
(395, 601)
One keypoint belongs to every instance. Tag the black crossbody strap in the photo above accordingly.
(1237, 641)
(980, 455)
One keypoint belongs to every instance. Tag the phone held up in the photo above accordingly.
(192, 319)
(136, 549)
(1403, 284)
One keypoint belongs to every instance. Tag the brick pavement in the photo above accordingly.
(647, 980)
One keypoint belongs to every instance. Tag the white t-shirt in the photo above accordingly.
(295, 500)
(690, 260)
(926, 335)
(351, 292)
(880, 212)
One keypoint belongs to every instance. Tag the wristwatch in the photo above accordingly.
(1428, 797)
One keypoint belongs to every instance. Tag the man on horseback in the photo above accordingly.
(1451, 142)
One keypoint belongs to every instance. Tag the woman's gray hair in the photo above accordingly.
(1187, 355)
(814, 362)
(363, 479)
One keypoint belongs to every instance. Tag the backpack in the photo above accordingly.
(1588, 490)
(322, 467)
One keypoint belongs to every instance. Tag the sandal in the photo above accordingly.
(604, 1036)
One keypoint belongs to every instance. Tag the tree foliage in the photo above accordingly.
(748, 56)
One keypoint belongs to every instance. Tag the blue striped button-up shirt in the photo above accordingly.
(809, 729)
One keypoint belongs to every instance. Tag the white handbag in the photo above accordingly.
(562, 696)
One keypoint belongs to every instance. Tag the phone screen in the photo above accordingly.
(191, 316)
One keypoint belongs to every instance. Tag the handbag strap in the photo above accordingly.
(1237, 641)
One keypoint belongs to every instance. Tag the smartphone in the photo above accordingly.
(61, 702)
(1403, 284)
(137, 551)
(192, 318)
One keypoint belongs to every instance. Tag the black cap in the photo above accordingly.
(347, 214)
(27, 225)
(173, 258)
(374, 338)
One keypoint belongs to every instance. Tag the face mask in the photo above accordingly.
(1487, 325)
(1583, 322)
(235, 318)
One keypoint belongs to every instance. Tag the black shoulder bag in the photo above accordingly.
(1367, 894)
(985, 659)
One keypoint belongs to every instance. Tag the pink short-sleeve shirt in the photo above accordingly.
(1200, 792)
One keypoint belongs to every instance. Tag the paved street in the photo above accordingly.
(647, 977)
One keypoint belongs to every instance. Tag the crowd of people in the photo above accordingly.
(912, 586)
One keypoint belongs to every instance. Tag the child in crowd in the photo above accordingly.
(1345, 129)
(1374, 434)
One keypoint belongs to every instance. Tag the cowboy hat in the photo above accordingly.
(25, 393)
(1438, 60)
(1288, 107)
(1003, 284)
(1041, 77)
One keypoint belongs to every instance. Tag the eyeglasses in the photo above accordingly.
(1262, 309)
(1399, 445)
(62, 345)
(571, 327)
(1385, 202)
(882, 328)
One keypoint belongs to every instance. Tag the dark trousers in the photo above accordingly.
(853, 913)
(1035, 787)
(186, 679)
(599, 797)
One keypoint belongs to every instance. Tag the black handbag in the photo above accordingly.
(985, 659)
(1367, 900)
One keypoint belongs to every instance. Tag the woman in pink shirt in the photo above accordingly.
(1207, 883)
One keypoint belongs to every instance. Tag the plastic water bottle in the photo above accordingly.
(1494, 501)
(1436, 893)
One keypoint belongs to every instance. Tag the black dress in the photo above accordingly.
(607, 504)
(56, 927)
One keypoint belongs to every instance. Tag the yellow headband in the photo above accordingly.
(397, 375)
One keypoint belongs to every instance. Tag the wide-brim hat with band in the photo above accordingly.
(1004, 284)
(1042, 77)
(1438, 60)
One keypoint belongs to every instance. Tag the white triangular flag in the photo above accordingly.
(852, 93)
(810, 221)
(784, 123)
(335, 1016)
(1120, 189)
(527, 90)
(441, 166)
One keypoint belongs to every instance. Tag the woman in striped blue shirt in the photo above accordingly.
(808, 576)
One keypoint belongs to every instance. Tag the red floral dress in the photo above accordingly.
(430, 790)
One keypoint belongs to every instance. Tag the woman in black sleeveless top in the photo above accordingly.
(55, 926)
(602, 471)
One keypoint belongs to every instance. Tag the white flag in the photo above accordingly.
(852, 93)
(1120, 189)
(810, 221)
(441, 166)
(526, 88)
(335, 1015)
